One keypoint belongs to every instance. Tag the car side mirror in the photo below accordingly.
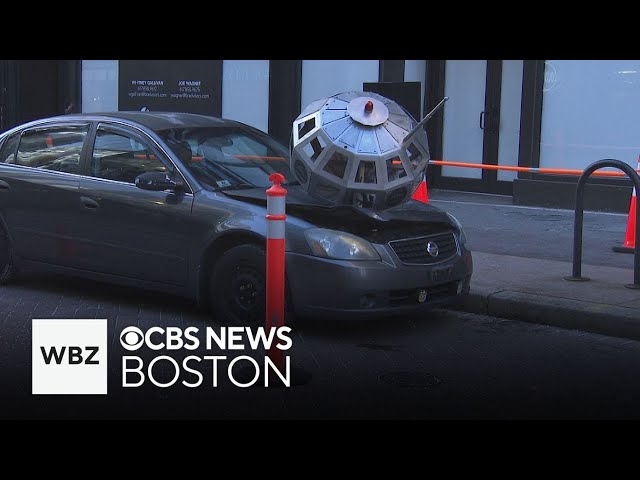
(155, 181)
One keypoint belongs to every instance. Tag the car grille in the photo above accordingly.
(413, 251)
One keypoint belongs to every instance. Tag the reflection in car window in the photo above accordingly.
(55, 148)
(117, 156)
(8, 153)
(229, 157)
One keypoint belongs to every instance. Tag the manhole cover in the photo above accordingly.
(410, 379)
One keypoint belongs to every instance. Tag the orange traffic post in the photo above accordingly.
(276, 251)
(276, 219)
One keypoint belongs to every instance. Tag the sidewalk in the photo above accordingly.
(529, 285)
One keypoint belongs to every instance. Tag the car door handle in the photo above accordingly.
(4, 185)
(89, 203)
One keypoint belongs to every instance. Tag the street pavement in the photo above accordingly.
(522, 254)
(446, 365)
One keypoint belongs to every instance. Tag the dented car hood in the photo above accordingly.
(311, 208)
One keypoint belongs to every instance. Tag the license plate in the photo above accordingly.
(441, 274)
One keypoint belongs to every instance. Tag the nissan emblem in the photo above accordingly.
(432, 249)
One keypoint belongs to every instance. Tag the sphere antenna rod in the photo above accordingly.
(427, 117)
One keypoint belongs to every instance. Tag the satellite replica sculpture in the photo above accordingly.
(361, 149)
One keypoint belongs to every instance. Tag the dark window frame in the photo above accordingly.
(391, 70)
(434, 92)
(285, 91)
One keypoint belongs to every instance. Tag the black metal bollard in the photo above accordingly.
(579, 219)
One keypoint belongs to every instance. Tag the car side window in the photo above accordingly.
(55, 148)
(8, 152)
(121, 157)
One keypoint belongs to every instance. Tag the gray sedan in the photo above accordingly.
(176, 202)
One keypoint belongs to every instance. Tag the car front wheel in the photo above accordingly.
(238, 288)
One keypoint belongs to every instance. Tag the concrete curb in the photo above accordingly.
(600, 318)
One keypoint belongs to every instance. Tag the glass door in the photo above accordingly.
(464, 116)
(481, 123)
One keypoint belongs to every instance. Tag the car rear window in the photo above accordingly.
(56, 148)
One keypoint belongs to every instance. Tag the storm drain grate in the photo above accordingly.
(410, 379)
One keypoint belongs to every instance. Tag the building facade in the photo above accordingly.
(539, 113)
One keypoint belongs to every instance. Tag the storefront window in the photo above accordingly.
(323, 78)
(99, 85)
(590, 112)
(245, 92)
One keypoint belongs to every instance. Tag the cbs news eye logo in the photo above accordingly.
(131, 338)
(159, 338)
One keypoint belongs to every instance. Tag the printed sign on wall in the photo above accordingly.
(193, 86)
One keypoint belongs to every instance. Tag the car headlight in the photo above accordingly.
(462, 237)
(339, 245)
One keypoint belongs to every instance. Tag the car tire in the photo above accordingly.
(238, 287)
(7, 266)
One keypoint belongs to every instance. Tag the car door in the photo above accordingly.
(127, 231)
(39, 191)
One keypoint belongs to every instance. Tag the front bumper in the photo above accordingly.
(328, 288)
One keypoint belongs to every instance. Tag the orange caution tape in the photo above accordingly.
(551, 171)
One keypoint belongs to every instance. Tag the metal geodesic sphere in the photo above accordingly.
(352, 148)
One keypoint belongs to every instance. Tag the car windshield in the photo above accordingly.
(226, 158)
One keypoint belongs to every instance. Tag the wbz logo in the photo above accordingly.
(74, 355)
(69, 357)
